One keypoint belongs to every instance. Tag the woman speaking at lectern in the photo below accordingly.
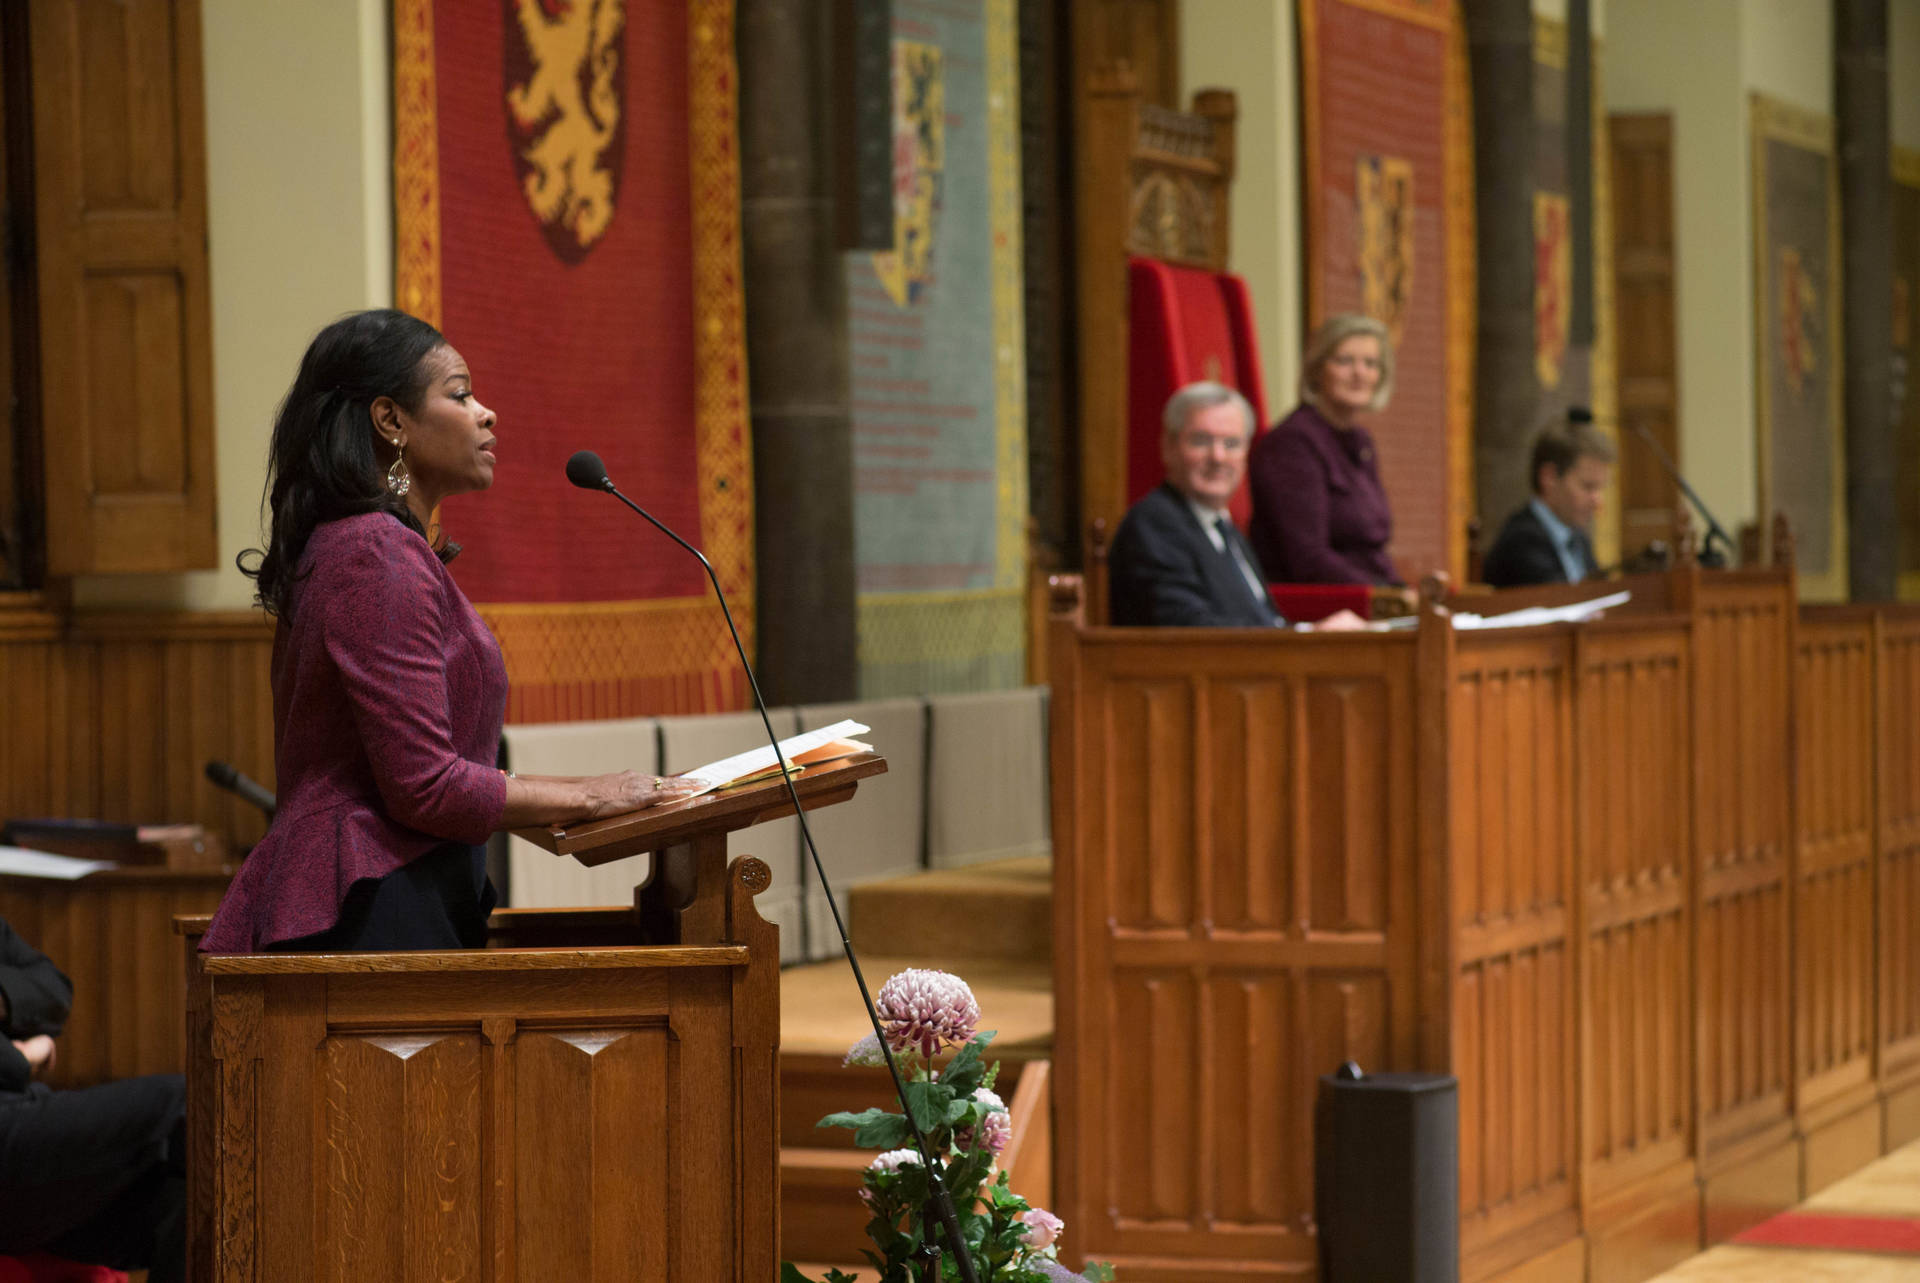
(388, 690)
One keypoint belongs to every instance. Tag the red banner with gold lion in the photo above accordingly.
(566, 189)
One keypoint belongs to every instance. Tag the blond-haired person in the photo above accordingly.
(1320, 514)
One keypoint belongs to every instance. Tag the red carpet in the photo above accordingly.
(1894, 1234)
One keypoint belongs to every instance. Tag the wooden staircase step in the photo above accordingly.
(1003, 909)
(821, 1014)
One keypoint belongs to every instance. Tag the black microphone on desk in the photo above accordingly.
(1712, 557)
(228, 777)
(585, 470)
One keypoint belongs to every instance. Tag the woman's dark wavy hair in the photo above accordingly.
(322, 464)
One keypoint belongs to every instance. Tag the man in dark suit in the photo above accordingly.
(1177, 558)
(95, 1175)
(1550, 539)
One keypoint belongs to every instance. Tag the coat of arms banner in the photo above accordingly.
(937, 365)
(1387, 158)
(1796, 298)
(566, 190)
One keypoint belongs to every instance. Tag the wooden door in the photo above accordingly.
(119, 157)
(1643, 281)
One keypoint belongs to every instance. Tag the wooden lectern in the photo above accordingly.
(594, 1097)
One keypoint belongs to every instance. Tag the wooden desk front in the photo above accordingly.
(1622, 878)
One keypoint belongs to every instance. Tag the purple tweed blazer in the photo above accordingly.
(388, 697)
(1320, 514)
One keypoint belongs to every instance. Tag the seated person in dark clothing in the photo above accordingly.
(1177, 558)
(1549, 540)
(1320, 513)
(96, 1175)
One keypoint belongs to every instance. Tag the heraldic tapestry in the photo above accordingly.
(1796, 298)
(938, 372)
(1387, 160)
(566, 184)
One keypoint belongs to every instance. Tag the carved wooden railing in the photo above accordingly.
(1645, 884)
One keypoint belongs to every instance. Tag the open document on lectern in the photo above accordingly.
(828, 744)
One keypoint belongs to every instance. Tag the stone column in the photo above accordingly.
(1862, 135)
(796, 298)
(1506, 390)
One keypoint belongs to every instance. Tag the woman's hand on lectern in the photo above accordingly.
(625, 791)
(569, 799)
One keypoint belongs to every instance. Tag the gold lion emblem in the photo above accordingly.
(564, 80)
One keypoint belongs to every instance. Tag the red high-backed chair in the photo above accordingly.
(1159, 310)
(1185, 324)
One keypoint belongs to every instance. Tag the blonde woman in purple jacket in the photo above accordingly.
(388, 690)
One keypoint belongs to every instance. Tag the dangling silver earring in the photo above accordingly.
(399, 480)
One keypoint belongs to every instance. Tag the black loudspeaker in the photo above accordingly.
(1387, 1177)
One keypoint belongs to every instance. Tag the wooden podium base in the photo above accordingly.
(520, 1113)
(596, 1097)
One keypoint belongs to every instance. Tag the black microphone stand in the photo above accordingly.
(939, 1200)
(1711, 557)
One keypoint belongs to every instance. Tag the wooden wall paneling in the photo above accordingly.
(114, 717)
(1898, 740)
(1636, 915)
(1515, 1033)
(1743, 658)
(1836, 810)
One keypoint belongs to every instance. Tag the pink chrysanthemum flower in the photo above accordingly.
(927, 1010)
(1042, 1227)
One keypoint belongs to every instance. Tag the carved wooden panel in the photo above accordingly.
(1636, 856)
(1834, 812)
(1899, 742)
(506, 1118)
(1242, 892)
(1742, 675)
(116, 718)
(1513, 1002)
(403, 1128)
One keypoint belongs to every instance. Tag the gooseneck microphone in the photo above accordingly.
(1713, 558)
(228, 777)
(585, 470)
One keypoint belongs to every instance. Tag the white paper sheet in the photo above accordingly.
(1534, 616)
(17, 861)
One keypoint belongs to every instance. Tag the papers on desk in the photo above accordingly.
(1534, 616)
(18, 862)
(827, 744)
